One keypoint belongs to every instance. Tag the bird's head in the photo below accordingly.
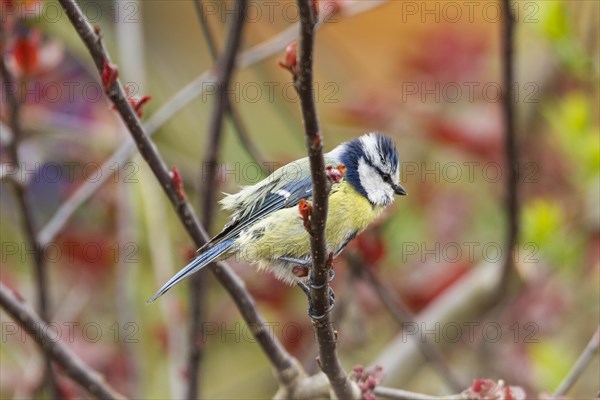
(373, 167)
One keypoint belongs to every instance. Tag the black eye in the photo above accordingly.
(387, 178)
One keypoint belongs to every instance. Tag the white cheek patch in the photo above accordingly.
(378, 191)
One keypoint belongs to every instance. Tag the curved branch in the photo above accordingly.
(39, 330)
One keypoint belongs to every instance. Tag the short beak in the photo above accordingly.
(399, 190)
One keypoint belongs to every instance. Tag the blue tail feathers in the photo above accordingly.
(201, 261)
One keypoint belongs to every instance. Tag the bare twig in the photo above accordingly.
(26, 213)
(230, 108)
(319, 292)
(510, 146)
(181, 99)
(399, 394)
(460, 303)
(586, 356)
(277, 355)
(402, 315)
(39, 330)
(224, 71)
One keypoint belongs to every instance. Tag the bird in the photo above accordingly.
(267, 229)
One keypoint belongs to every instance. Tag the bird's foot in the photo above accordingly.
(306, 289)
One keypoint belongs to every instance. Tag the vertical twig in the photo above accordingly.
(584, 359)
(230, 109)
(319, 275)
(26, 212)
(41, 332)
(510, 146)
(208, 181)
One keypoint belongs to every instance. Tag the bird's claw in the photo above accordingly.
(306, 289)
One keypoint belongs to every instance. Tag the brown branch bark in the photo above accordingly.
(275, 352)
(39, 330)
(26, 213)
(511, 156)
(326, 336)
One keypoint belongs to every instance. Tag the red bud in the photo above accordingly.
(291, 59)
(110, 73)
(178, 182)
(336, 174)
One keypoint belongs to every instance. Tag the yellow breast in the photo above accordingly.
(283, 234)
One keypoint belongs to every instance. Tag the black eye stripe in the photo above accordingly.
(384, 176)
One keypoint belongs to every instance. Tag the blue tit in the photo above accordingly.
(266, 228)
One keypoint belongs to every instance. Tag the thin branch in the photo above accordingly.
(224, 71)
(399, 394)
(231, 110)
(181, 99)
(402, 315)
(41, 332)
(319, 273)
(462, 302)
(277, 355)
(510, 146)
(26, 214)
(584, 359)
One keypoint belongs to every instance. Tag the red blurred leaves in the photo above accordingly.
(371, 247)
(110, 74)
(451, 55)
(290, 61)
(477, 133)
(30, 56)
(431, 280)
(26, 53)
(336, 174)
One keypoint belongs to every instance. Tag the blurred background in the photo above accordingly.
(426, 73)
